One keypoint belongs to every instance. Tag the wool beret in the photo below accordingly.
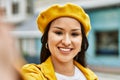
(67, 10)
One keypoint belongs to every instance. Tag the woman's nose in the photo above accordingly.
(66, 40)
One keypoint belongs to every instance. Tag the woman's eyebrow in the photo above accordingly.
(76, 29)
(59, 28)
(63, 29)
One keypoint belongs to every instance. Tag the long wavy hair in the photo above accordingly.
(80, 57)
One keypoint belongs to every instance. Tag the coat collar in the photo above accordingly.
(48, 70)
(86, 71)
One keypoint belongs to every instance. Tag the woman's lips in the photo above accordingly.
(65, 50)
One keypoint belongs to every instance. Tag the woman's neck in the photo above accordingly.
(66, 68)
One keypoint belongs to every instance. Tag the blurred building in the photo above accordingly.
(15, 11)
(104, 38)
(28, 39)
(18, 13)
(104, 49)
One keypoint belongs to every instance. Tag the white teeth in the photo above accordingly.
(64, 49)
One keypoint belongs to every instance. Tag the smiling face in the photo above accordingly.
(64, 39)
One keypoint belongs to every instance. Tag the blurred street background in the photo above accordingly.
(108, 76)
(103, 55)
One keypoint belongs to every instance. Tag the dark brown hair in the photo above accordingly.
(80, 57)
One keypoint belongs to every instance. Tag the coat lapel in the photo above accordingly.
(48, 70)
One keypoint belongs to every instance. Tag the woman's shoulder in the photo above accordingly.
(32, 65)
(91, 74)
(31, 68)
(32, 72)
(87, 72)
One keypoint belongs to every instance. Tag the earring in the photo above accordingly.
(46, 45)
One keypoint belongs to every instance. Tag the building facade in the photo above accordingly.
(104, 38)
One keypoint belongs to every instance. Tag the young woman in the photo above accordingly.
(64, 42)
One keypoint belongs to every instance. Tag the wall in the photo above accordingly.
(105, 30)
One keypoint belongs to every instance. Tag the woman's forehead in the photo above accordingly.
(68, 21)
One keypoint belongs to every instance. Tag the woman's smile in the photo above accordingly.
(65, 50)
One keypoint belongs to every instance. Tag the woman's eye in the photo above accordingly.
(75, 34)
(58, 33)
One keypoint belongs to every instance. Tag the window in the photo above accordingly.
(107, 43)
(30, 7)
(15, 8)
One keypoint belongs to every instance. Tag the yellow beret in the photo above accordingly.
(68, 10)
